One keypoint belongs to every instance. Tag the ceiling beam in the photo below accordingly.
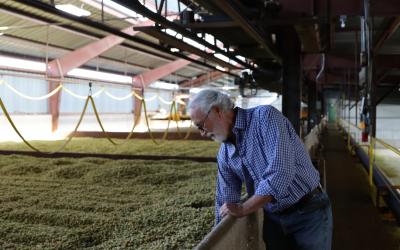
(388, 31)
(139, 8)
(80, 56)
(140, 82)
(202, 79)
(232, 10)
(105, 28)
(174, 42)
(144, 79)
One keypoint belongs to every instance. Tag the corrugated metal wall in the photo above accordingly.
(28, 86)
(70, 104)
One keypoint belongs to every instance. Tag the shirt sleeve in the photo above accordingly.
(277, 136)
(228, 188)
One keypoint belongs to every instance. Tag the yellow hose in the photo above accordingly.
(31, 146)
(99, 121)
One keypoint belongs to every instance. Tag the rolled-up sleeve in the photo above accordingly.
(280, 156)
(228, 188)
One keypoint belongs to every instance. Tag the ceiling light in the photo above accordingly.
(4, 28)
(222, 57)
(72, 9)
(1, 33)
(163, 85)
(342, 20)
(220, 68)
(97, 75)
(15, 63)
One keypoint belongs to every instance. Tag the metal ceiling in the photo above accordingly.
(247, 28)
(36, 33)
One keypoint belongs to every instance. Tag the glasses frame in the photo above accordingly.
(201, 127)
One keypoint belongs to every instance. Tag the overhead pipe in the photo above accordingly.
(139, 8)
(85, 21)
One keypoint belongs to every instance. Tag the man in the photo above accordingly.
(260, 148)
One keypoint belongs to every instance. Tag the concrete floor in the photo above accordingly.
(357, 223)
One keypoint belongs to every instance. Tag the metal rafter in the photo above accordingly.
(174, 42)
(387, 33)
(232, 10)
(85, 21)
(138, 7)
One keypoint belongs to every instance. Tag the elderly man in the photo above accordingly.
(260, 148)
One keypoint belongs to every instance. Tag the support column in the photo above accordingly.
(60, 66)
(289, 45)
(141, 81)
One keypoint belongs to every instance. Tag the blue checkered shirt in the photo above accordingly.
(268, 157)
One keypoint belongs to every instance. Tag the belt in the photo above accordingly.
(303, 201)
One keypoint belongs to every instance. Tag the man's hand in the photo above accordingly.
(251, 205)
(234, 209)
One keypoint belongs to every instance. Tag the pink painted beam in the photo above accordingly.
(141, 81)
(144, 79)
(60, 66)
(202, 79)
(84, 54)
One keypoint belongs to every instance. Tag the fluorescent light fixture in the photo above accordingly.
(241, 58)
(171, 32)
(222, 57)
(220, 68)
(96, 75)
(4, 28)
(72, 9)
(163, 85)
(194, 43)
(15, 63)
(174, 50)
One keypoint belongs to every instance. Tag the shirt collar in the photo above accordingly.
(240, 122)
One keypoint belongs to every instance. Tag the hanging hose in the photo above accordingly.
(81, 96)
(34, 148)
(176, 118)
(30, 97)
(99, 121)
(118, 98)
(173, 113)
(147, 121)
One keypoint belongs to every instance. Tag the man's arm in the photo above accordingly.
(248, 207)
(228, 189)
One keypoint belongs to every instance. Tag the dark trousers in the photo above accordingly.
(307, 228)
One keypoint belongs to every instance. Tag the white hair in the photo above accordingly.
(208, 98)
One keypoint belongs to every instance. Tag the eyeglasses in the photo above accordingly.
(201, 127)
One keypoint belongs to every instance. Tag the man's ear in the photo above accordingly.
(219, 112)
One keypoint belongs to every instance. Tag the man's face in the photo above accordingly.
(210, 124)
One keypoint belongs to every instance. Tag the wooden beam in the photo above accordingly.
(389, 30)
(202, 79)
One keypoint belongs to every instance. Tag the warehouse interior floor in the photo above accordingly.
(357, 222)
